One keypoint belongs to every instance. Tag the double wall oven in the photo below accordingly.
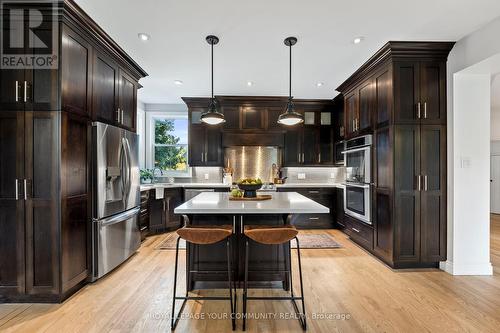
(357, 194)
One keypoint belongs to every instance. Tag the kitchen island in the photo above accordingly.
(208, 262)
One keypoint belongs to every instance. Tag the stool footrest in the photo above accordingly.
(205, 298)
(276, 298)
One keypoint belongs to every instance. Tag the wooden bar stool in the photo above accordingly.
(275, 235)
(204, 235)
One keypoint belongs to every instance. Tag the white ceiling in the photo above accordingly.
(252, 33)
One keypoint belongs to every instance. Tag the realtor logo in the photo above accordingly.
(29, 35)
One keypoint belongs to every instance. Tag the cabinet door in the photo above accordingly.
(292, 151)
(433, 92)
(11, 89)
(310, 144)
(339, 208)
(173, 199)
(104, 89)
(156, 215)
(383, 93)
(366, 105)
(232, 116)
(351, 113)
(128, 101)
(197, 145)
(252, 117)
(407, 194)
(273, 114)
(406, 92)
(213, 147)
(41, 206)
(433, 195)
(326, 145)
(42, 83)
(75, 73)
(12, 242)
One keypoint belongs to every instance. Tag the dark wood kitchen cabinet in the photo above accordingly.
(205, 146)
(161, 210)
(409, 152)
(324, 196)
(29, 89)
(45, 154)
(420, 92)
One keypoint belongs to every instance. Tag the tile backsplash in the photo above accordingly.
(314, 175)
(199, 175)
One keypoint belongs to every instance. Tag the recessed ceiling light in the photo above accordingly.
(178, 82)
(249, 83)
(143, 36)
(358, 40)
(319, 84)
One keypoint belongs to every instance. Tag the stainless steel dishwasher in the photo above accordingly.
(190, 193)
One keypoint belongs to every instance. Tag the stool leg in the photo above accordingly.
(229, 273)
(175, 318)
(303, 321)
(245, 287)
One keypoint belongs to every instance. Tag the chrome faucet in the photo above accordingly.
(154, 174)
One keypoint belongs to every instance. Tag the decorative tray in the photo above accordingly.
(259, 197)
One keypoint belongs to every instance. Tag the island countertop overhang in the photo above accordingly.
(281, 203)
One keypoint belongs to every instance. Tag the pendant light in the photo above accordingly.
(213, 116)
(290, 117)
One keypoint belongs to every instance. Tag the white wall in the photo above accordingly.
(141, 131)
(469, 152)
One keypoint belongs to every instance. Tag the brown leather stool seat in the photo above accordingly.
(270, 234)
(205, 234)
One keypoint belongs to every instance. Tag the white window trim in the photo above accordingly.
(150, 119)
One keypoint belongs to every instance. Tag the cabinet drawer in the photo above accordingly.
(312, 221)
(359, 232)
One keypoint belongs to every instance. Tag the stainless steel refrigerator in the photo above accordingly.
(116, 197)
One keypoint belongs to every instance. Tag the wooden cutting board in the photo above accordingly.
(257, 198)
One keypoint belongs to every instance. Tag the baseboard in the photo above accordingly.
(466, 269)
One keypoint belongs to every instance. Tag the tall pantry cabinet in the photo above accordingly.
(45, 157)
(404, 88)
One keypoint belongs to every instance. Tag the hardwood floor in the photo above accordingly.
(137, 298)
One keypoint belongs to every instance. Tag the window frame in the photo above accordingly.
(152, 117)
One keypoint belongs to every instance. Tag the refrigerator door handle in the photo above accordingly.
(129, 166)
(120, 217)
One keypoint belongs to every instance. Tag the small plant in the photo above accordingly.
(147, 175)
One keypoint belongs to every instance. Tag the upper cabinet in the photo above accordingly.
(254, 121)
(403, 83)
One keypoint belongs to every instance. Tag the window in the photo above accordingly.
(170, 146)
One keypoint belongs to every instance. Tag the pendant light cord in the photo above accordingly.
(212, 47)
(290, 83)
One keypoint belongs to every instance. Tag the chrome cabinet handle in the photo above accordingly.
(121, 110)
(17, 189)
(319, 158)
(118, 115)
(164, 205)
(425, 110)
(206, 157)
(357, 230)
(418, 110)
(425, 183)
(314, 218)
(17, 91)
(419, 185)
(25, 91)
(25, 189)
(303, 157)
(202, 157)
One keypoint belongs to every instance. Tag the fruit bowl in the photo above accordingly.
(250, 189)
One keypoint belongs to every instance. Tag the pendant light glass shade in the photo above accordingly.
(290, 117)
(213, 116)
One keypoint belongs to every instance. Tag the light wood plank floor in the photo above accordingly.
(137, 298)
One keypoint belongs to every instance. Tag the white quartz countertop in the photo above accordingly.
(145, 187)
(281, 203)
